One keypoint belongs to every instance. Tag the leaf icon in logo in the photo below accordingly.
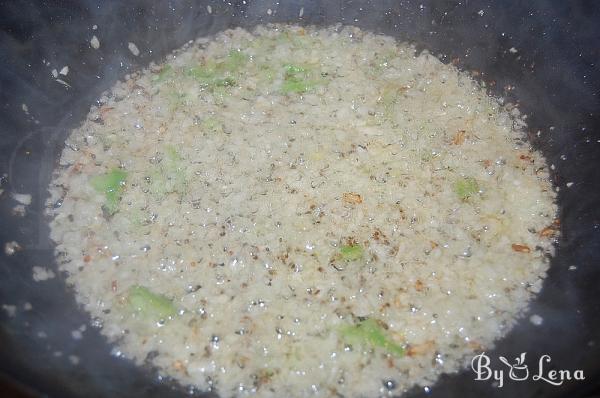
(519, 370)
(521, 359)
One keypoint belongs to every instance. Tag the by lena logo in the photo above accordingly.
(519, 371)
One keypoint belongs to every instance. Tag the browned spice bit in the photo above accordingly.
(352, 198)
(459, 137)
(336, 267)
(551, 230)
(487, 163)
(548, 232)
(351, 241)
(193, 263)
(241, 361)
(283, 257)
(383, 324)
(419, 285)
(521, 248)
(475, 346)
(420, 349)
(87, 258)
(380, 236)
(76, 168)
(140, 88)
(104, 110)
(113, 286)
(180, 367)
(525, 157)
(397, 302)
(376, 234)
(390, 362)
(263, 377)
(122, 299)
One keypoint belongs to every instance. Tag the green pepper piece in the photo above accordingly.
(169, 175)
(214, 75)
(266, 73)
(370, 333)
(205, 75)
(295, 79)
(209, 78)
(149, 304)
(296, 86)
(293, 69)
(235, 61)
(212, 125)
(351, 252)
(112, 185)
(172, 153)
(226, 82)
(466, 187)
(164, 74)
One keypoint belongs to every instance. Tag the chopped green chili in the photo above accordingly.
(149, 304)
(112, 185)
(296, 79)
(351, 252)
(466, 187)
(165, 73)
(369, 332)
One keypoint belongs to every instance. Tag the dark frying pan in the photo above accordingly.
(554, 75)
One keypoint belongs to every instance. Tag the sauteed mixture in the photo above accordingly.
(302, 212)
